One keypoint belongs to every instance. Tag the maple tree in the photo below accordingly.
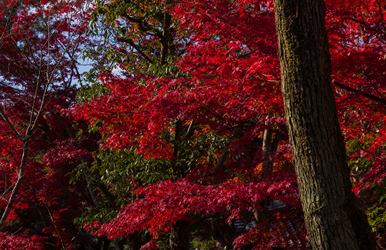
(221, 57)
(40, 45)
(186, 135)
(163, 118)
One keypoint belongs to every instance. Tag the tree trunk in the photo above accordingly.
(219, 235)
(179, 236)
(137, 240)
(267, 151)
(333, 219)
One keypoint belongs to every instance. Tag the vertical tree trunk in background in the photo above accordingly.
(333, 219)
(179, 236)
(267, 151)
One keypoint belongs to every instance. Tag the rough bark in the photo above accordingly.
(333, 219)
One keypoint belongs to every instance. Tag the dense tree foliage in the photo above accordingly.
(40, 45)
(177, 135)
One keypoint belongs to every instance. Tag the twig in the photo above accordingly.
(370, 96)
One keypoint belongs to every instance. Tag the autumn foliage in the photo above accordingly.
(177, 133)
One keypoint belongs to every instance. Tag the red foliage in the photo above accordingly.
(12, 242)
(230, 89)
(168, 202)
(40, 45)
(234, 83)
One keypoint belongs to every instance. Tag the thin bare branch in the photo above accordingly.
(17, 184)
(380, 9)
(221, 160)
(132, 44)
(370, 96)
(5, 118)
(357, 21)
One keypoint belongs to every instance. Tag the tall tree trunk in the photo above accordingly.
(333, 219)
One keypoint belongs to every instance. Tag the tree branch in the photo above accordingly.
(357, 21)
(221, 160)
(5, 118)
(17, 184)
(132, 44)
(380, 9)
(190, 131)
(370, 96)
